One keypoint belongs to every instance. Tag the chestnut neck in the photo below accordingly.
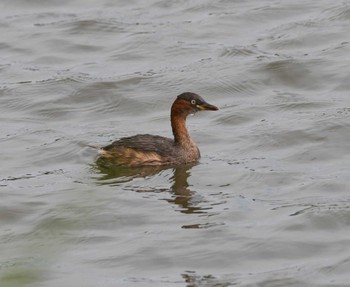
(178, 123)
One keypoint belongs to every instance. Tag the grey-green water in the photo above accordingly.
(267, 205)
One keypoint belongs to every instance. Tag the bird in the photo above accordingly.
(153, 150)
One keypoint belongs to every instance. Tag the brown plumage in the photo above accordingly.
(148, 150)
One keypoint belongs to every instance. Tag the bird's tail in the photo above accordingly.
(99, 150)
(93, 146)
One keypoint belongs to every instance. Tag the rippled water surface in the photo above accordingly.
(267, 205)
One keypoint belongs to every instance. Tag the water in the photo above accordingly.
(268, 204)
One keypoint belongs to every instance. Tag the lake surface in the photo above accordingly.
(267, 205)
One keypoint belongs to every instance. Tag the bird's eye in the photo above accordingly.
(193, 102)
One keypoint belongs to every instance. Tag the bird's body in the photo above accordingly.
(148, 149)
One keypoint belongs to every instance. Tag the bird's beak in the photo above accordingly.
(206, 107)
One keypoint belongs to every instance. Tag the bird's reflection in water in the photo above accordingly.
(183, 196)
(113, 174)
(187, 200)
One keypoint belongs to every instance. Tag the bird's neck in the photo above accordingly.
(181, 136)
(180, 132)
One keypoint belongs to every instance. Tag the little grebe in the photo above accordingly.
(150, 150)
